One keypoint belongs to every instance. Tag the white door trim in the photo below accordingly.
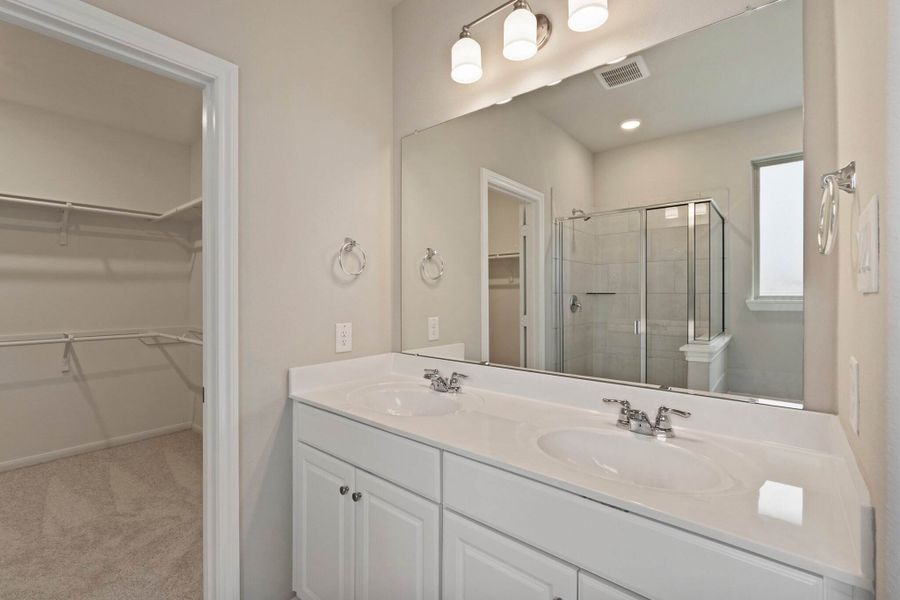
(83, 25)
(535, 201)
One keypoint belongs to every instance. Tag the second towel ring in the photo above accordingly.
(843, 179)
(432, 255)
(346, 248)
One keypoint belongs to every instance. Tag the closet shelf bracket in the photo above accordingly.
(64, 225)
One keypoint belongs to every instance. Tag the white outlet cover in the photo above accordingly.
(434, 329)
(343, 337)
(854, 395)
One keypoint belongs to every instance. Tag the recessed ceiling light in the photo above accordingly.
(557, 82)
(630, 124)
(617, 60)
(507, 101)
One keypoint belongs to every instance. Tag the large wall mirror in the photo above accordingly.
(639, 222)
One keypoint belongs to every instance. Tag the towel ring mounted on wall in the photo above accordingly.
(347, 248)
(432, 255)
(843, 179)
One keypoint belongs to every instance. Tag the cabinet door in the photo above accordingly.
(397, 542)
(592, 588)
(323, 526)
(480, 564)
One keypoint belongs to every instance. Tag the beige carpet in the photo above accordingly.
(116, 524)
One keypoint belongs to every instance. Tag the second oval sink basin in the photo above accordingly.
(645, 462)
(409, 400)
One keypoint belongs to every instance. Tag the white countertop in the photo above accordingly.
(799, 503)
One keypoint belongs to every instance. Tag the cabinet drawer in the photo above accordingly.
(409, 464)
(480, 564)
(639, 554)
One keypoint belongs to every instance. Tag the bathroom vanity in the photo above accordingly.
(521, 486)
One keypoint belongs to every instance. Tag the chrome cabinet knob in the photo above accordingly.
(344, 489)
(356, 496)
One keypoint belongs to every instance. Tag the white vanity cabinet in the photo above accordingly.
(358, 537)
(378, 516)
(480, 564)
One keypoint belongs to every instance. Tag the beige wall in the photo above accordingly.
(766, 353)
(113, 274)
(315, 163)
(861, 136)
(67, 151)
(442, 208)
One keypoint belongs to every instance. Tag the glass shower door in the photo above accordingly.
(667, 295)
(601, 296)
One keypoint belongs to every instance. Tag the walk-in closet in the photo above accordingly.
(101, 289)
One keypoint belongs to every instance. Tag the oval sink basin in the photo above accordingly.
(409, 400)
(641, 461)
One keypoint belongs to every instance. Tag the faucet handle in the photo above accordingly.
(624, 413)
(453, 384)
(431, 373)
(662, 417)
(626, 405)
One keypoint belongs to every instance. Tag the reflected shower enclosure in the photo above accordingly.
(639, 291)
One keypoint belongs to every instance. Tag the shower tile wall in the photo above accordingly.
(617, 256)
(579, 277)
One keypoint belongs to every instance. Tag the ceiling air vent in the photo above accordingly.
(623, 73)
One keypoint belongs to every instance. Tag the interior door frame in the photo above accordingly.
(99, 31)
(535, 206)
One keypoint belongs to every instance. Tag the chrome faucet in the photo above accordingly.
(440, 384)
(638, 422)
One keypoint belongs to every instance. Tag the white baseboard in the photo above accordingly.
(36, 459)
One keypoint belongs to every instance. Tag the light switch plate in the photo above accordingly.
(343, 337)
(434, 329)
(854, 395)
(867, 249)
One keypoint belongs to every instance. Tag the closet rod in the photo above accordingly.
(179, 208)
(97, 210)
(67, 339)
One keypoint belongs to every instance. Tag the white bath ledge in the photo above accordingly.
(833, 536)
(706, 352)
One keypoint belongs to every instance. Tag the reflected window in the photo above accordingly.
(778, 268)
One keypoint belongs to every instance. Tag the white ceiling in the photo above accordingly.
(42, 72)
(744, 67)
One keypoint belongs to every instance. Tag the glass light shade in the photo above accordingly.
(465, 61)
(585, 15)
(520, 35)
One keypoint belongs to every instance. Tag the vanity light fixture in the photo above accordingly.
(630, 124)
(502, 102)
(553, 83)
(616, 61)
(520, 31)
(465, 58)
(524, 34)
(587, 15)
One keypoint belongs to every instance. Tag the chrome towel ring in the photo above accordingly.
(843, 179)
(431, 255)
(346, 248)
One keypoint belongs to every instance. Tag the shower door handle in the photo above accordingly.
(637, 327)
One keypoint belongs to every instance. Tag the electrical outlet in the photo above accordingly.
(854, 395)
(434, 329)
(343, 337)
